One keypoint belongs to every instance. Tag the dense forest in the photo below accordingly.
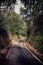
(28, 23)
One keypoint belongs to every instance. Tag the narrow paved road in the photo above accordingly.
(18, 55)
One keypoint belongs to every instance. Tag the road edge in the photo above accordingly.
(8, 52)
(33, 54)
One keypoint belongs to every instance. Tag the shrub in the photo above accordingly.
(37, 41)
(39, 47)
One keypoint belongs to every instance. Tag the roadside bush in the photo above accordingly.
(39, 47)
(37, 42)
(39, 39)
(35, 32)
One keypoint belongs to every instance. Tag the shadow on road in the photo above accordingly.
(20, 56)
(23, 61)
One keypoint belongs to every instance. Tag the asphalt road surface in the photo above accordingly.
(18, 55)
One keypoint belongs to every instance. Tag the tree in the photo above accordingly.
(7, 3)
(32, 5)
(15, 24)
(23, 12)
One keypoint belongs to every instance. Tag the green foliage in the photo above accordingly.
(15, 24)
(2, 21)
(35, 32)
(30, 40)
(23, 11)
(37, 41)
(30, 26)
(39, 47)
